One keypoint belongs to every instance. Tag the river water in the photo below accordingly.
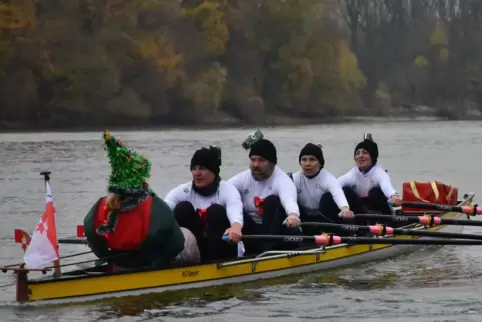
(433, 284)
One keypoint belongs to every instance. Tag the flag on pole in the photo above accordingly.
(43, 247)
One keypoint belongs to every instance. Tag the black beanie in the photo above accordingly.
(207, 158)
(265, 149)
(371, 147)
(314, 150)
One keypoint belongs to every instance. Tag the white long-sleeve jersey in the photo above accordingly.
(310, 190)
(226, 196)
(362, 183)
(278, 184)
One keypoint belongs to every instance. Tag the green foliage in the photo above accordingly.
(114, 57)
(161, 59)
(421, 61)
(206, 88)
(439, 36)
(211, 18)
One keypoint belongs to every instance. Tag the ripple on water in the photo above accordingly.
(433, 284)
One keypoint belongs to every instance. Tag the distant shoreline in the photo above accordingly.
(231, 123)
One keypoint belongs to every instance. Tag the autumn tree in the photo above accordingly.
(88, 62)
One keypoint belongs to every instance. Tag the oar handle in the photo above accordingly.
(72, 241)
(286, 238)
(468, 210)
(424, 220)
(46, 175)
(325, 240)
(378, 230)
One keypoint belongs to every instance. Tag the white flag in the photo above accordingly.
(43, 247)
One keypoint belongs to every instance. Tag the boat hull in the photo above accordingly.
(94, 286)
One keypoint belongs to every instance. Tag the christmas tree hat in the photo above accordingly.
(129, 170)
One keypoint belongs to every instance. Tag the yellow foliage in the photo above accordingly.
(326, 69)
(421, 61)
(297, 67)
(439, 36)
(287, 19)
(383, 100)
(286, 53)
(161, 51)
(312, 64)
(215, 28)
(17, 14)
(339, 77)
(351, 77)
(206, 88)
(444, 55)
(302, 75)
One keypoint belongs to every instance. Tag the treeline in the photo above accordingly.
(423, 52)
(92, 62)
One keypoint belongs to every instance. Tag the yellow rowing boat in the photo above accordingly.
(92, 283)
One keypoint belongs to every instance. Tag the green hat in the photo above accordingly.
(129, 170)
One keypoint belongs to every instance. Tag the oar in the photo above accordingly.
(329, 240)
(468, 210)
(380, 230)
(424, 220)
(77, 241)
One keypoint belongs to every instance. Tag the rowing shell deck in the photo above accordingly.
(86, 285)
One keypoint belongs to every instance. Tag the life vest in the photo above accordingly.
(131, 229)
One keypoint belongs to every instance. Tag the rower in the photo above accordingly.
(209, 207)
(132, 219)
(367, 186)
(268, 195)
(320, 196)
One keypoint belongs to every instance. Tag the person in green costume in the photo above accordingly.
(132, 227)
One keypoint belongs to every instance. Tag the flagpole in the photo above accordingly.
(56, 263)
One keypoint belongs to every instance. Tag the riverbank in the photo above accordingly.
(220, 121)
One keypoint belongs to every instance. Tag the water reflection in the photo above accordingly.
(187, 303)
(431, 284)
(386, 282)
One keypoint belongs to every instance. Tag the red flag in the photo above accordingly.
(43, 246)
(80, 231)
(23, 238)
